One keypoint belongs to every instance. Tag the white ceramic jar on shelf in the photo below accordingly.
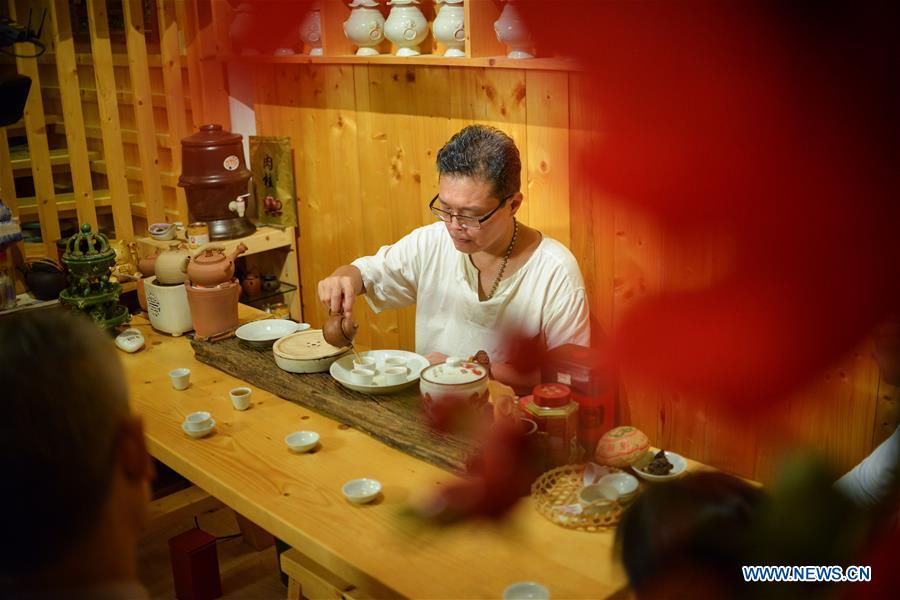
(512, 31)
(406, 27)
(449, 27)
(365, 27)
(311, 30)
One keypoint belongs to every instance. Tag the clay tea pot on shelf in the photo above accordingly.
(211, 266)
(339, 330)
(171, 264)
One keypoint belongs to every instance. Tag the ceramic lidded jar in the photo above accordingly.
(211, 267)
(452, 391)
(512, 30)
(311, 30)
(365, 27)
(622, 446)
(449, 27)
(406, 27)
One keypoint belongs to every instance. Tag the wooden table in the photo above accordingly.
(247, 466)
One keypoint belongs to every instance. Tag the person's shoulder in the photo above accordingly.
(554, 256)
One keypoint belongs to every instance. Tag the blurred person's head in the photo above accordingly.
(688, 536)
(73, 457)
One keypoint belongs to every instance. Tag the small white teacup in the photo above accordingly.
(394, 375)
(362, 376)
(597, 498)
(240, 397)
(364, 362)
(394, 361)
(198, 421)
(181, 378)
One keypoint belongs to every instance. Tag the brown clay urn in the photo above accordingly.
(210, 266)
(339, 330)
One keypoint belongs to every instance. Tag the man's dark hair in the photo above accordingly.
(701, 521)
(483, 153)
(65, 396)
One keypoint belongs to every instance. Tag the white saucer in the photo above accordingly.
(340, 370)
(199, 433)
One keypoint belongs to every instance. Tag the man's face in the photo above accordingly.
(472, 197)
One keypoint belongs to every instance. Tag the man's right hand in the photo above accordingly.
(338, 291)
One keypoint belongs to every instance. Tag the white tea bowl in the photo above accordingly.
(302, 441)
(360, 491)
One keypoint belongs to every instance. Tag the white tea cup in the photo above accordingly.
(364, 362)
(394, 361)
(362, 376)
(198, 421)
(181, 378)
(394, 375)
(240, 397)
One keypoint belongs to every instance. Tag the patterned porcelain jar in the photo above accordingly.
(365, 27)
(449, 27)
(453, 391)
(406, 27)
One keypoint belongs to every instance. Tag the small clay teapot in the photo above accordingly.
(339, 330)
(211, 266)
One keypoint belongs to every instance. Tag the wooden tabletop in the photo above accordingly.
(297, 497)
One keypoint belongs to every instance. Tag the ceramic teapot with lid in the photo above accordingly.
(339, 330)
(171, 264)
(211, 266)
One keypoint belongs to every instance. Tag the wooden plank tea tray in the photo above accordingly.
(395, 419)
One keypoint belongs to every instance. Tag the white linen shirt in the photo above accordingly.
(545, 297)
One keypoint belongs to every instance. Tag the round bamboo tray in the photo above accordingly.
(555, 495)
(306, 352)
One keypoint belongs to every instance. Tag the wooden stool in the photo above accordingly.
(195, 565)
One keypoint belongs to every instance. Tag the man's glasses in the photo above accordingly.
(463, 221)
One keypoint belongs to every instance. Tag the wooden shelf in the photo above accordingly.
(266, 238)
(20, 160)
(65, 202)
(433, 60)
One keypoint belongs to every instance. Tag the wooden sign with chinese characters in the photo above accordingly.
(273, 180)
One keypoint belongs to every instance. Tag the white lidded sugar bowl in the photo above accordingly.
(311, 30)
(406, 27)
(449, 27)
(365, 27)
(512, 31)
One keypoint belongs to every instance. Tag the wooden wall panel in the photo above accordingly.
(113, 152)
(143, 109)
(39, 150)
(76, 140)
(172, 83)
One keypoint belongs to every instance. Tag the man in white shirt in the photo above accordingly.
(478, 277)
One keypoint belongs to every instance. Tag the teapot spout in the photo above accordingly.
(241, 248)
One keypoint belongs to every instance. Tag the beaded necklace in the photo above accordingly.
(509, 249)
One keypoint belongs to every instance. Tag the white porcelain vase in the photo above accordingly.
(365, 27)
(512, 31)
(449, 27)
(406, 27)
(311, 30)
